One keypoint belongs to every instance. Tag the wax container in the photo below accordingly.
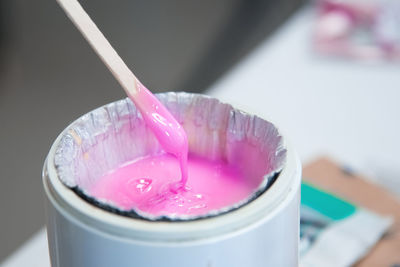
(262, 230)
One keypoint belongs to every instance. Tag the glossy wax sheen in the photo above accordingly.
(164, 126)
(145, 185)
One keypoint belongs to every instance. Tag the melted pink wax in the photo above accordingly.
(144, 185)
(152, 184)
(165, 127)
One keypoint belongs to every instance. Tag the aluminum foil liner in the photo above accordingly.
(111, 135)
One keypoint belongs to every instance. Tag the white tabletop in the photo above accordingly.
(33, 253)
(346, 110)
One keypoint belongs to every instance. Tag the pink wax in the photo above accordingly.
(144, 185)
(164, 126)
(159, 185)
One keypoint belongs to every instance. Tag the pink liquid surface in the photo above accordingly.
(145, 185)
(164, 126)
(159, 185)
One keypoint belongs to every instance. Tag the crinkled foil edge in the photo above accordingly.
(94, 127)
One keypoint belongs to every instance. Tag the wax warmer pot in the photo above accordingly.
(262, 230)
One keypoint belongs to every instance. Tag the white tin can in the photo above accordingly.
(264, 232)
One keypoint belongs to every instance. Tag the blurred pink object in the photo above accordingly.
(361, 29)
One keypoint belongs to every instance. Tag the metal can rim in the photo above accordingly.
(219, 227)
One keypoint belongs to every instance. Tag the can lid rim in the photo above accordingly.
(96, 219)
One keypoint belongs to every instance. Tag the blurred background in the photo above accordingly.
(49, 75)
